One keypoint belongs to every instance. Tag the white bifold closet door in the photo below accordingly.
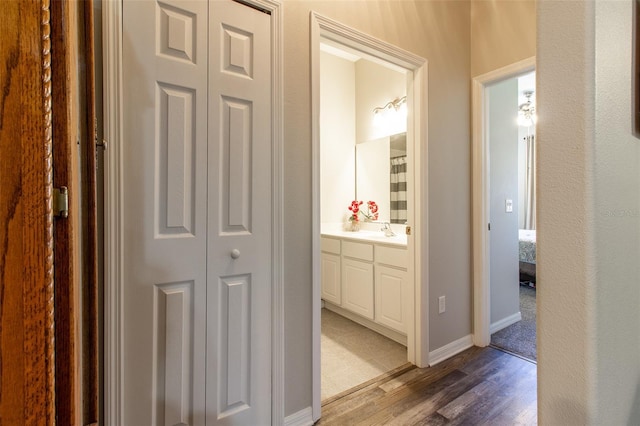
(197, 213)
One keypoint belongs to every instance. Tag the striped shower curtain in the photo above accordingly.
(399, 189)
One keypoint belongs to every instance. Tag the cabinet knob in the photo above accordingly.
(235, 253)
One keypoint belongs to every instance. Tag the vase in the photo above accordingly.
(354, 226)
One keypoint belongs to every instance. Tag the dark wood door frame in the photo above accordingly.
(66, 274)
(90, 299)
(74, 157)
(27, 361)
(44, 52)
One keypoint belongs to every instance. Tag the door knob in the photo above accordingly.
(235, 253)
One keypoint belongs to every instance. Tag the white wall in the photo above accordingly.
(374, 175)
(349, 91)
(502, 111)
(337, 137)
(588, 216)
(376, 85)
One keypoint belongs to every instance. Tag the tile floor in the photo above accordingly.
(353, 354)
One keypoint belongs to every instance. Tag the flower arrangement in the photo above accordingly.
(356, 211)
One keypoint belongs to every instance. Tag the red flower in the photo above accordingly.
(371, 214)
(355, 209)
(372, 210)
(355, 206)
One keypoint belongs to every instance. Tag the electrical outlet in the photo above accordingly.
(441, 305)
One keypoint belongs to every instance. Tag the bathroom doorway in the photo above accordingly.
(367, 226)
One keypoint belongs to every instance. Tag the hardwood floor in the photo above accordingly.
(480, 386)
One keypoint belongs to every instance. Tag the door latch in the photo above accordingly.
(61, 202)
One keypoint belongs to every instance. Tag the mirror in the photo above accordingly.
(381, 176)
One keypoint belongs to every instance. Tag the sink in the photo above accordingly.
(378, 236)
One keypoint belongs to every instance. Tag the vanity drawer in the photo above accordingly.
(392, 256)
(361, 251)
(330, 245)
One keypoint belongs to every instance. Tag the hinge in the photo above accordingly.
(61, 202)
(489, 226)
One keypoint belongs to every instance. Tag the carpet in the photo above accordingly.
(520, 338)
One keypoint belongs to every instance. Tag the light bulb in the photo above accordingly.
(525, 120)
(377, 118)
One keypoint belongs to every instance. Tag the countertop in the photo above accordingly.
(377, 237)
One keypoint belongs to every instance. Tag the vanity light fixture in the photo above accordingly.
(527, 111)
(397, 104)
(392, 117)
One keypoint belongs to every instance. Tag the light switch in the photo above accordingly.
(508, 206)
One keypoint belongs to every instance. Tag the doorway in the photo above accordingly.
(496, 204)
(511, 134)
(360, 266)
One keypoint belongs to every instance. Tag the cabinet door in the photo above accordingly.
(392, 298)
(330, 272)
(357, 284)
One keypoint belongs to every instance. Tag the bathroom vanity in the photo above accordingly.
(365, 278)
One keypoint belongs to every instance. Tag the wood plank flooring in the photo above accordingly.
(480, 386)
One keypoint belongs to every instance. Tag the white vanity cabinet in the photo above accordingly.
(393, 290)
(330, 271)
(357, 278)
(368, 279)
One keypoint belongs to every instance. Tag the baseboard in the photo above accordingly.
(505, 322)
(447, 351)
(303, 417)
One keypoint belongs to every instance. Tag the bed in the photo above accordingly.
(527, 256)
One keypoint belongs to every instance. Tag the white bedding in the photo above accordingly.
(527, 238)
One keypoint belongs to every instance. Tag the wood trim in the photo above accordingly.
(49, 414)
(90, 296)
(26, 241)
(64, 150)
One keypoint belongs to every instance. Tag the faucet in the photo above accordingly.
(386, 228)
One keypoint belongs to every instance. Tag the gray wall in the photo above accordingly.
(503, 165)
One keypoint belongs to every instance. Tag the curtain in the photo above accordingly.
(530, 185)
(399, 189)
